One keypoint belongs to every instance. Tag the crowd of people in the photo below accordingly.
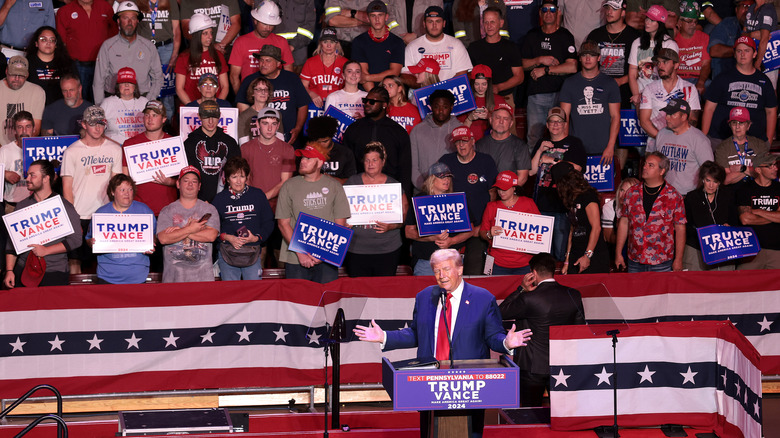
(117, 74)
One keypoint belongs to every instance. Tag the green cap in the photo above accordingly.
(690, 9)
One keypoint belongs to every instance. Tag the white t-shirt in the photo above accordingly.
(91, 167)
(11, 156)
(350, 103)
(655, 97)
(643, 59)
(125, 117)
(449, 52)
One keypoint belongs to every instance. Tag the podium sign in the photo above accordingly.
(472, 384)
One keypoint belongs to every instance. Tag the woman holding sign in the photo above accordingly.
(246, 220)
(709, 204)
(586, 247)
(506, 262)
(439, 182)
(375, 248)
(481, 77)
(124, 267)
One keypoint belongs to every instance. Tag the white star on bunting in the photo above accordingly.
(561, 378)
(244, 334)
(18, 345)
(646, 375)
(171, 340)
(603, 376)
(765, 325)
(56, 343)
(688, 377)
(281, 335)
(94, 342)
(207, 337)
(132, 341)
(314, 338)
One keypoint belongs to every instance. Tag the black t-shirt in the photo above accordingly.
(615, 48)
(378, 55)
(47, 76)
(341, 163)
(475, 179)
(649, 197)
(599, 262)
(568, 149)
(731, 88)
(500, 57)
(766, 198)
(559, 44)
(63, 119)
(209, 155)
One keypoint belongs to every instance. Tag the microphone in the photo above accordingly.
(443, 297)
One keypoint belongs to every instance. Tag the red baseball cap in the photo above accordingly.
(505, 107)
(310, 152)
(461, 133)
(739, 114)
(506, 180)
(429, 65)
(189, 169)
(481, 71)
(125, 75)
(746, 40)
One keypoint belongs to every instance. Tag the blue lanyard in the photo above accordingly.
(153, 16)
(740, 154)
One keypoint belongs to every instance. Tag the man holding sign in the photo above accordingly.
(316, 194)
(162, 191)
(54, 253)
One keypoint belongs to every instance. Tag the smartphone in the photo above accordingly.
(205, 217)
(243, 232)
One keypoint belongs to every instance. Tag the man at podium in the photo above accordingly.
(468, 329)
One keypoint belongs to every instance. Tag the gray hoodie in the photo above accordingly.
(429, 142)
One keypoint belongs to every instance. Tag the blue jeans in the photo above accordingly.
(320, 273)
(560, 234)
(500, 270)
(165, 53)
(230, 273)
(634, 267)
(86, 74)
(423, 267)
(538, 107)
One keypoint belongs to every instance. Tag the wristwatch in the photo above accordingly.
(742, 168)
(352, 13)
(547, 69)
(589, 253)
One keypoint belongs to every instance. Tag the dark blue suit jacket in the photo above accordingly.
(478, 326)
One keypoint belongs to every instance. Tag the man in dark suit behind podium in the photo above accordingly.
(472, 315)
(542, 302)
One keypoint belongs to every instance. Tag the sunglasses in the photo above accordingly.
(368, 101)
(552, 9)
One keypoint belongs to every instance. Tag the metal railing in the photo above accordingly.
(62, 428)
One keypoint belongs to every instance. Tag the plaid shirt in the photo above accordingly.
(651, 239)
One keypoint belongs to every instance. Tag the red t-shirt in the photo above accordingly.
(207, 65)
(84, 34)
(504, 257)
(407, 116)
(266, 164)
(693, 51)
(323, 79)
(246, 45)
(156, 196)
(480, 126)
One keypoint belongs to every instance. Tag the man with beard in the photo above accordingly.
(431, 138)
(316, 194)
(659, 93)
(242, 63)
(508, 151)
(376, 126)
(62, 117)
(290, 97)
(127, 49)
(40, 175)
(11, 157)
(208, 148)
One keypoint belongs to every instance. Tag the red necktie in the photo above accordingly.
(442, 342)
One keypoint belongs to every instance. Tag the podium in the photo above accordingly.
(451, 388)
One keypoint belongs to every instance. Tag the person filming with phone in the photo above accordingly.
(187, 227)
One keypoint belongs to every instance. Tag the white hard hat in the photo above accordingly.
(267, 13)
(128, 6)
(200, 22)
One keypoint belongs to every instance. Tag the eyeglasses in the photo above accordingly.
(556, 122)
(48, 40)
(209, 85)
(738, 123)
(688, 20)
(368, 101)
(551, 9)
(261, 90)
